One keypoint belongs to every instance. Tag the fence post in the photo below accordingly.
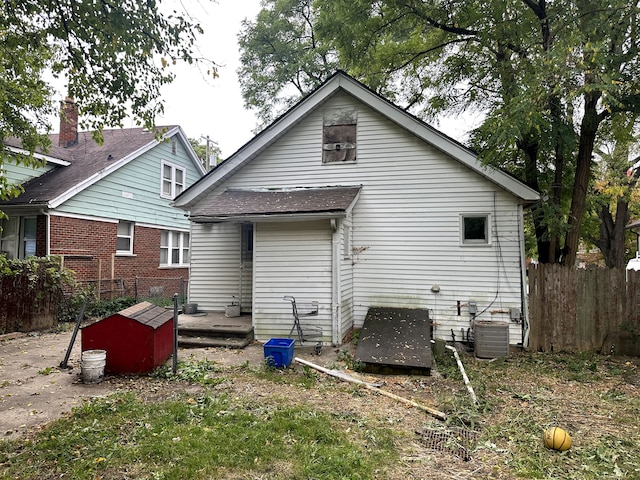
(136, 289)
(175, 334)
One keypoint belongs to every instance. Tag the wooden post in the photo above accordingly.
(373, 387)
(464, 374)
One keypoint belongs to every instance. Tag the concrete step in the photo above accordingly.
(216, 331)
(203, 342)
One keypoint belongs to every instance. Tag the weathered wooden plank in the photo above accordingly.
(574, 310)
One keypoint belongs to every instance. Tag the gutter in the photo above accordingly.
(268, 217)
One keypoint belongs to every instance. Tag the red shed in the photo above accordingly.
(137, 339)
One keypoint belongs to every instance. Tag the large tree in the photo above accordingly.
(113, 56)
(614, 195)
(282, 58)
(546, 75)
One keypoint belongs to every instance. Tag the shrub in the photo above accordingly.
(32, 290)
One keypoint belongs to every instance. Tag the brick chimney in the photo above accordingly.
(68, 123)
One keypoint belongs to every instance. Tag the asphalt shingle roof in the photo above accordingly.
(87, 159)
(245, 203)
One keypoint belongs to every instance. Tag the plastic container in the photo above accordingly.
(190, 308)
(278, 352)
(93, 363)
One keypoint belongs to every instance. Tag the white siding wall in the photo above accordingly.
(291, 258)
(215, 265)
(406, 224)
(346, 278)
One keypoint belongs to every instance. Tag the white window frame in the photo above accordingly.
(183, 245)
(174, 186)
(129, 236)
(18, 237)
(10, 237)
(475, 241)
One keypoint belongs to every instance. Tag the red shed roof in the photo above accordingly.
(147, 314)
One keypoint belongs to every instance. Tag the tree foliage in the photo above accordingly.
(614, 197)
(206, 152)
(546, 75)
(282, 57)
(114, 57)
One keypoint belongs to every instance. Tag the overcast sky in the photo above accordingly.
(206, 106)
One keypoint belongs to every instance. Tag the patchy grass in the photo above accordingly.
(250, 422)
(199, 437)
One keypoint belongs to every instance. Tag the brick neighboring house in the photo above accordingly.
(104, 208)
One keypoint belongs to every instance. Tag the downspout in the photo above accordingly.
(523, 279)
(335, 282)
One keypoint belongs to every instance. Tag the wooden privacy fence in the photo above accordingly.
(575, 310)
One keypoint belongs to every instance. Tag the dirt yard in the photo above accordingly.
(595, 398)
(34, 389)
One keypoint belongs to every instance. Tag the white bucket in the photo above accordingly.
(93, 362)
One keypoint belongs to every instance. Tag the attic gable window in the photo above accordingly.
(339, 136)
(173, 178)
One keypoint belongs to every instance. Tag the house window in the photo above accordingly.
(339, 136)
(475, 229)
(172, 180)
(124, 242)
(174, 248)
(29, 228)
(18, 237)
(9, 237)
(247, 243)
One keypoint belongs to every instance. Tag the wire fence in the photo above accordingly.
(156, 289)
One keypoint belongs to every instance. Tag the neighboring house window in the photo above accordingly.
(174, 248)
(172, 180)
(9, 237)
(29, 228)
(124, 242)
(18, 237)
(339, 136)
(475, 229)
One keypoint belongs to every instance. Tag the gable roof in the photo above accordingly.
(81, 165)
(235, 204)
(340, 81)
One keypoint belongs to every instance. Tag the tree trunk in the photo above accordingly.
(612, 241)
(529, 148)
(588, 130)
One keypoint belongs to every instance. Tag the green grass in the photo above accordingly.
(301, 424)
(200, 437)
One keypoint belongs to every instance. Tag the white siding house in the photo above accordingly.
(353, 203)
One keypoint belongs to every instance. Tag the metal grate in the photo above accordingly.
(456, 441)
